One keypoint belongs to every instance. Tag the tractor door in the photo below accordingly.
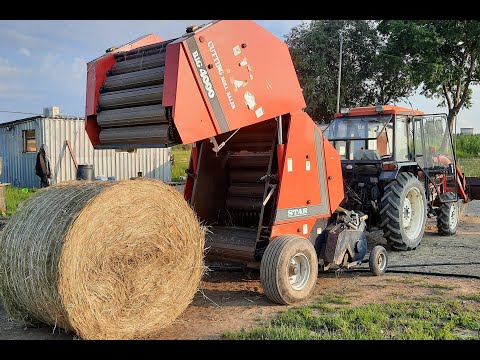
(433, 152)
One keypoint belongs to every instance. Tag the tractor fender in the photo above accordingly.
(388, 176)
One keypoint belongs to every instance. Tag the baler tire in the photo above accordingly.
(276, 265)
(448, 218)
(378, 260)
(393, 208)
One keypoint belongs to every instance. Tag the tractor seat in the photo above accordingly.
(366, 155)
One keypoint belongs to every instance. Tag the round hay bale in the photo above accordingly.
(107, 260)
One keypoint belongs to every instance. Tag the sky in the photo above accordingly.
(43, 62)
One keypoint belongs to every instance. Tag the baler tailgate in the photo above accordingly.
(129, 108)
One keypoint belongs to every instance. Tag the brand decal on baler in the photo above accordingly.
(218, 65)
(207, 84)
(204, 75)
(297, 212)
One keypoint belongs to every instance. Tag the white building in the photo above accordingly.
(21, 139)
(466, 131)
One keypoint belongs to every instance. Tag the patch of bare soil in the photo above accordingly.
(230, 302)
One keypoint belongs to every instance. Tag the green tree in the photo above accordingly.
(369, 77)
(390, 80)
(442, 57)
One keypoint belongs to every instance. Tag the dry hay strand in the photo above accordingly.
(107, 260)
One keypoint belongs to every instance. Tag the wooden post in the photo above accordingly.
(72, 154)
(3, 200)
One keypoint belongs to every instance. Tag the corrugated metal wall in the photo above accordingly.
(19, 167)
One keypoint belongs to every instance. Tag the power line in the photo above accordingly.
(19, 112)
(38, 114)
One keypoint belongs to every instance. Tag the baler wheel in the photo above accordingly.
(289, 269)
(378, 260)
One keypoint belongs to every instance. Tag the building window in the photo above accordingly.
(29, 141)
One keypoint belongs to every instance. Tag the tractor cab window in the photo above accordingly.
(361, 137)
(401, 139)
(438, 146)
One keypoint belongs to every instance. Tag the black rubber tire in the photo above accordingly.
(378, 260)
(274, 269)
(392, 204)
(443, 217)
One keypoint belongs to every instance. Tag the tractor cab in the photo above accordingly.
(385, 147)
(391, 133)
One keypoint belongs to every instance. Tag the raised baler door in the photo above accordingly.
(220, 77)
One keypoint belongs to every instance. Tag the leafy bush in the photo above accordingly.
(467, 146)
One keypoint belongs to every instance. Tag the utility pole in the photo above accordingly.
(339, 72)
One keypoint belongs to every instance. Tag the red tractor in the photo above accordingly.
(399, 167)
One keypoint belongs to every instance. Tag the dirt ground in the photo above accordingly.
(232, 300)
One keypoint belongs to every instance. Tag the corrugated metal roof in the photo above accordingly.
(57, 117)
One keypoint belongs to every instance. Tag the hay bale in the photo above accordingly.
(107, 260)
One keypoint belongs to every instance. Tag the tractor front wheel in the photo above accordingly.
(404, 212)
(378, 260)
(447, 218)
(289, 269)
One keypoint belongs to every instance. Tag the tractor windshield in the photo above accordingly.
(361, 137)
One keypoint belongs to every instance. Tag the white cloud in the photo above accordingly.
(79, 68)
(16, 91)
(20, 37)
(51, 65)
(24, 51)
(30, 35)
(7, 70)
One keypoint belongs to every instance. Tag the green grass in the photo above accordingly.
(436, 289)
(473, 297)
(181, 154)
(406, 320)
(14, 197)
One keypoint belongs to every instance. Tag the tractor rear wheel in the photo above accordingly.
(447, 217)
(404, 212)
(289, 269)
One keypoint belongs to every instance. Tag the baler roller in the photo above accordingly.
(140, 115)
(242, 203)
(133, 97)
(248, 160)
(137, 64)
(148, 77)
(249, 190)
(244, 136)
(143, 51)
(241, 176)
(148, 134)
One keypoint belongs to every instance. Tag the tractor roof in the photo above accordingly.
(374, 110)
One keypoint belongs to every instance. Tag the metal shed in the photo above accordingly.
(21, 139)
